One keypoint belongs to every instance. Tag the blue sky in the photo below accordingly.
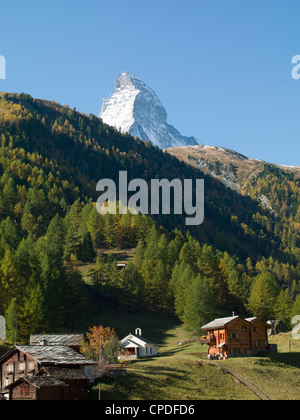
(222, 68)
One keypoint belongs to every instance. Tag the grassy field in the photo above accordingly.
(184, 372)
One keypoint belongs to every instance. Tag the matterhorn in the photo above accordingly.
(134, 108)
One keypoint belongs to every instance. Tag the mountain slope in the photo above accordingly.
(84, 150)
(134, 108)
(230, 167)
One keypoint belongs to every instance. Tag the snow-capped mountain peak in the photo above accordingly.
(135, 109)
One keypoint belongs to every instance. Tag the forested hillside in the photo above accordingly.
(243, 257)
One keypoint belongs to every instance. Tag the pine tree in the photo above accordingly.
(11, 322)
(200, 306)
(56, 233)
(98, 273)
(9, 282)
(296, 307)
(87, 252)
(263, 296)
(73, 234)
(283, 307)
(32, 317)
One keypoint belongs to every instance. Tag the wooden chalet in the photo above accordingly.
(235, 336)
(22, 369)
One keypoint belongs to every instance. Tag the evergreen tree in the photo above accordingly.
(283, 307)
(296, 307)
(56, 233)
(33, 317)
(12, 322)
(98, 273)
(9, 282)
(263, 296)
(87, 252)
(200, 307)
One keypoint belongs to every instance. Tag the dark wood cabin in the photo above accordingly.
(38, 389)
(28, 362)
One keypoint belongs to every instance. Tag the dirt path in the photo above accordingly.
(249, 384)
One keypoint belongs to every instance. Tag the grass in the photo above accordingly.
(185, 373)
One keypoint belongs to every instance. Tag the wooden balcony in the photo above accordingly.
(208, 339)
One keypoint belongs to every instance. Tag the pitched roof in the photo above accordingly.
(56, 355)
(39, 382)
(136, 338)
(57, 339)
(219, 322)
(251, 320)
(222, 322)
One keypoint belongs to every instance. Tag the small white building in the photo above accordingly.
(134, 346)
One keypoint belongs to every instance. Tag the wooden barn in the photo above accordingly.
(235, 336)
(22, 365)
(37, 388)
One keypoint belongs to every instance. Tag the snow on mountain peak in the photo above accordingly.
(134, 108)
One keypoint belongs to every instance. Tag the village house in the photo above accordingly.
(235, 336)
(20, 366)
(134, 346)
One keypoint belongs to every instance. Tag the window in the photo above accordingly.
(10, 368)
(234, 336)
(244, 328)
(31, 366)
(260, 343)
(22, 366)
(255, 330)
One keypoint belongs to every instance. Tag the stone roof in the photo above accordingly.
(39, 382)
(55, 355)
(57, 339)
(218, 323)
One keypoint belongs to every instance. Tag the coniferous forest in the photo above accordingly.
(243, 258)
